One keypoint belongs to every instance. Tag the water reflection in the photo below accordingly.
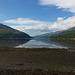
(46, 43)
(12, 43)
(36, 43)
(41, 43)
(66, 43)
(58, 43)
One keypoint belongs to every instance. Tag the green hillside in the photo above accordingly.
(65, 36)
(7, 32)
(68, 34)
(68, 38)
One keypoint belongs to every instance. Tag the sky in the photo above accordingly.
(37, 17)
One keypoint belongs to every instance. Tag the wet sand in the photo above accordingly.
(36, 59)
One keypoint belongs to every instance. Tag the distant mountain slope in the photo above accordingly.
(70, 33)
(72, 29)
(66, 36)
(47, 35)
(7, 32)
(66, 31)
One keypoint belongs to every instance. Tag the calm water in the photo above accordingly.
(40, 43)
(34, 43)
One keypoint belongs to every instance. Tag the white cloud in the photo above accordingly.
(60, 19)
(22, 21)
(62, 24)
(40, 27)
(68, 5)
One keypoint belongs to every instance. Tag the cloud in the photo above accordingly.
(22, 21)
(68, 5)
(63, 24)
(35, 27)
(60, 19)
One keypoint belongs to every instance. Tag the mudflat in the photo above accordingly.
(37, 58)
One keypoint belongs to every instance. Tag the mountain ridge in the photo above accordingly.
(47, 35)
(7, 32)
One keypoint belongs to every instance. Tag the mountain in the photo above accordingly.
(72, 29)
(66, 31)
(68, 36)
(47, 35)
(7, 32)
(70, 33)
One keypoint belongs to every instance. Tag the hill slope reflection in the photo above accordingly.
(12, 42)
